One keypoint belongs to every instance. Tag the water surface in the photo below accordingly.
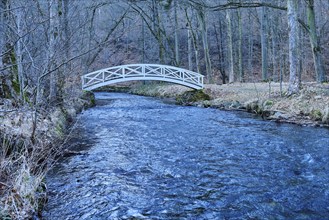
(140, 158)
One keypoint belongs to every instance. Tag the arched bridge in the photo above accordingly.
(133, 72)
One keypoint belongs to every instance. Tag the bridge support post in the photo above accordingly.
(143, 70)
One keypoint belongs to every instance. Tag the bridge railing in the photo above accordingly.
(142, 72)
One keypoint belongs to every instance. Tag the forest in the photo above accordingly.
(47, 45)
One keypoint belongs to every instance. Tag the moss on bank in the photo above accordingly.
(191, 97)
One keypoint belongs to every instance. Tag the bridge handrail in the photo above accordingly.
(142, 72)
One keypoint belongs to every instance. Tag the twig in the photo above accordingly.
(4, 184)
(13, 110)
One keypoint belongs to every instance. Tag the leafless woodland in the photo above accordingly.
(45, 45)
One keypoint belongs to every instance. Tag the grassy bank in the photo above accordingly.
(310, 107)
(30, 141)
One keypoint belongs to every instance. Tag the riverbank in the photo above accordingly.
(31, 140)
(310, 107)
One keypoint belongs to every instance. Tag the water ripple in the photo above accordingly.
(144, 159)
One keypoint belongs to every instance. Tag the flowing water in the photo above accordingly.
(140, 158)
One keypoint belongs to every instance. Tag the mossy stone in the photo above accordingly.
(316, 115)
(268, 103)
(90, 97)
(190, 97)
(325, 118)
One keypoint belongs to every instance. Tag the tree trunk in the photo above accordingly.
(281, 73)
(240, 62)
(219, 42)
(264, 42)
(189, 49)
(204, 35)
(230, 47)
(177, 60)
(222, 57)
(300, 52)
(157, 28)
(66, 34)
(316, 48)
(196, 50)
(3, 25)
(65, 39)
(19, 53)
(251, 47)
(2, 32)
(194, 39)
(53, 38)
(294, 85)
(143, 41)
(275, 73)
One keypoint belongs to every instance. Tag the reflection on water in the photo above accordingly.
(143, 159)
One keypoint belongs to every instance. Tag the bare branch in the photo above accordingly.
(236, 5)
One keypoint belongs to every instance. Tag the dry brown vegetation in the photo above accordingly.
(30, 141)
(310, 106)
(24, 161)
(22, 187)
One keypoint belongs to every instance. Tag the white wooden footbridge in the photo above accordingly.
(137, 72)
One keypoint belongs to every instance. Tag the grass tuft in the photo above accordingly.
(22, 173)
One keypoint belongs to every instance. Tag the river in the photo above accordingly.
(141, 158)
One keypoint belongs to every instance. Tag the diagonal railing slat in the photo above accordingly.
(137, 72)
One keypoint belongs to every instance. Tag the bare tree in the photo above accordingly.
(294, 85)
(204, 34)
(2, 31)
(240, 48)
(311, 27)
(3, 27)
(177, 58)
(231, 76)
(53, 42)
(264, 40)
(194, 39)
